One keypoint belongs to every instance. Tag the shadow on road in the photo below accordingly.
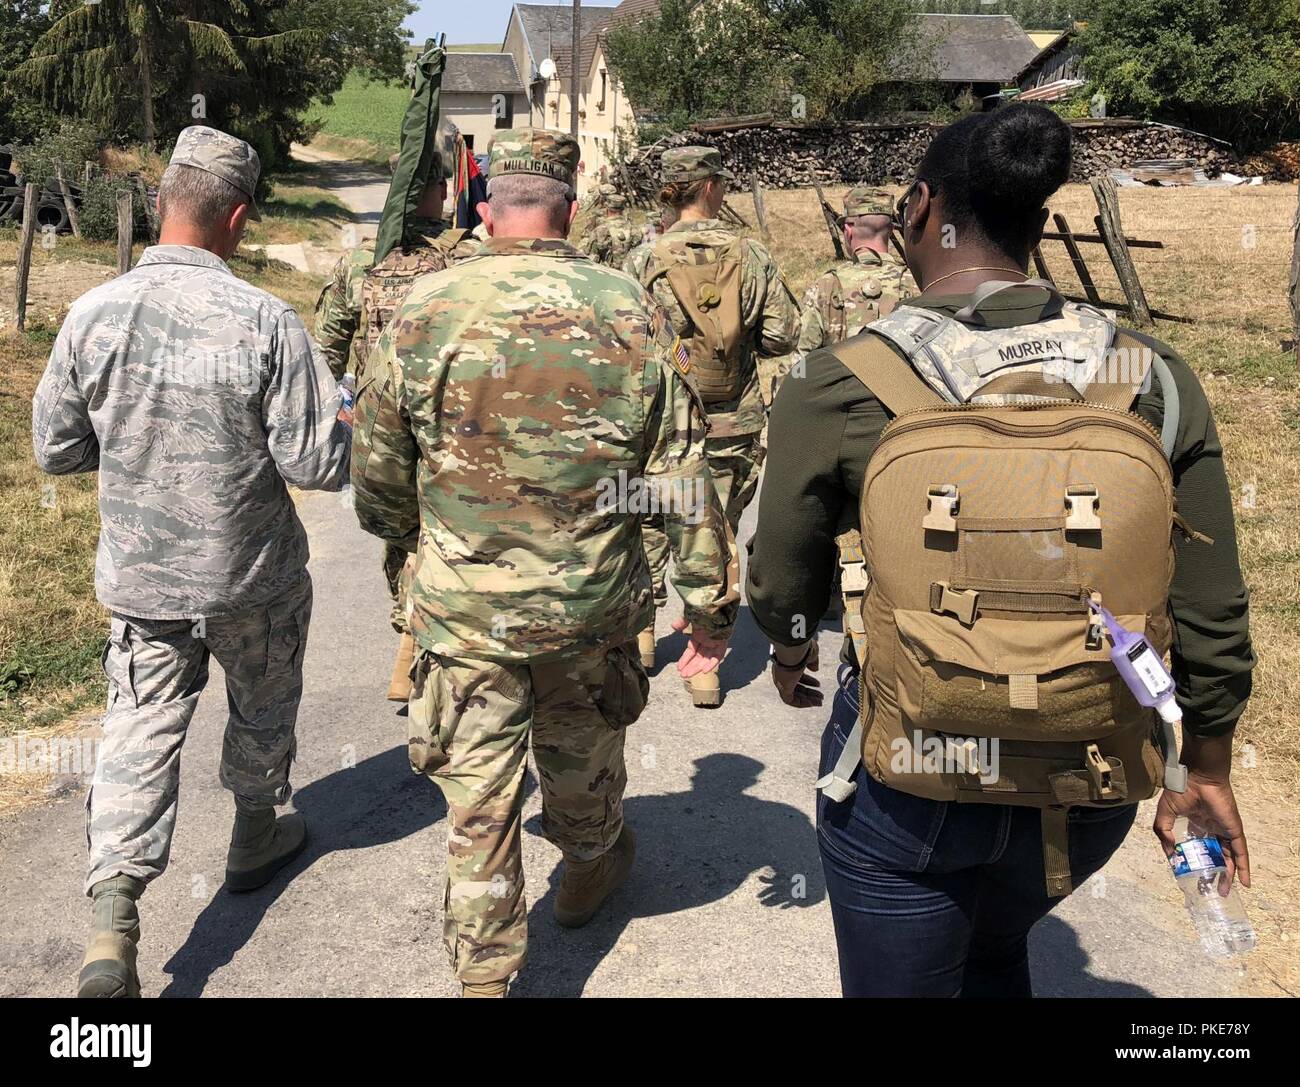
(1059, 966)
(373, 803)
(693, 848)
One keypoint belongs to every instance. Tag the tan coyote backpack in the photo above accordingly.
(705, 280)
(1012, 486)
(388, 282)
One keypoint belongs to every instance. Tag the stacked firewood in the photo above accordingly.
(790, 156)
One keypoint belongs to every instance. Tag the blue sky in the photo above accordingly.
(465, 22)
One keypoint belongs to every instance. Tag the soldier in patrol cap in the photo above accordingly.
(731, 306)
(514, 399)
(198, 400)
(362, 296)
(852, 294)
(613, 237)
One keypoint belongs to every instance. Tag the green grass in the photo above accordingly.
(365, 113)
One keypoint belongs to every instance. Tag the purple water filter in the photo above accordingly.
(1145, 674)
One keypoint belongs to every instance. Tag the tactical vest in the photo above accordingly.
(1012, 487)
(387, 282)
(864, 296)
(706, 281)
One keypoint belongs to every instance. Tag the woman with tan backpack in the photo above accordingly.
(1023, 473)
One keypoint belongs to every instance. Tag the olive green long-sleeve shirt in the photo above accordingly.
(823, 430)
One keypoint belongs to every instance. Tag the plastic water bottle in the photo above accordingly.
(348, 393)
(1220, 920)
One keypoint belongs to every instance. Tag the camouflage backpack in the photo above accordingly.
(852, 297)
(706, 280)
(387, 282)
(1012, 487)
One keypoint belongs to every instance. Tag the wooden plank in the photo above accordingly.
(125, 228)
(68, 202)
(150, 212)
(1112, 232)
(728, 212)
(760, 210)
(1133, 243)
(837, 238)
(1076, 257)
(31, 195)
(1295, 280)
(1040, 265)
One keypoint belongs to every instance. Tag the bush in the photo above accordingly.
(98, 208)
(70, 146)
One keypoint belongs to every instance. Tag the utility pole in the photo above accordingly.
(575, 80)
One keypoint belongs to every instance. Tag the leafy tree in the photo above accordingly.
(22, 22)
(1030, 14)
(819, 59)
(1225, 67)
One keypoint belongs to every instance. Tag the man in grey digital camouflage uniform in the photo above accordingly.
(197, 398)
(523, 404)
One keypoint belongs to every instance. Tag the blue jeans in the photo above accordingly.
(931, 898)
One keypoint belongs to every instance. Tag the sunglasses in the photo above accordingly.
(900, 209)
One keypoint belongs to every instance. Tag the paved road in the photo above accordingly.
(721, 800)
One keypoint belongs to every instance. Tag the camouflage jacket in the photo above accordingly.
(843, 301)
(522, 410)
(198, 398)
(610, 241)
(768, 310)
(339, 307)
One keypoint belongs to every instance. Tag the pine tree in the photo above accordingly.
(117, 58)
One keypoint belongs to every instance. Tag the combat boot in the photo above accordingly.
(484, 989)
(586, 884)
(260, 845)
(645, 645)
(108, 969)
(705, 689)
(399, 686)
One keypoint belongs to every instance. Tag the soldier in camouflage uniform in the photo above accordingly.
(511, 411)
(362, 298)
(767, 318)
(613, 237)
(197, 398)
(840, 304)
(843, 301)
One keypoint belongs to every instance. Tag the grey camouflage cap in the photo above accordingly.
(223, 156)
(615, 202)
(692, 164)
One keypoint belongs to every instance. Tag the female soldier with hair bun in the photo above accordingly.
(930, 896)
(729, 305)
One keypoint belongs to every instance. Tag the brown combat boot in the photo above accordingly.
(705, 689)
(109, 968)
(484, 989)
(260, 845)
(645, 645)
(586, 884)
(399, 686)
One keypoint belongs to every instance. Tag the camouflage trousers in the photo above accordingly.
(156, 670)
(734, 464)
(470, 724)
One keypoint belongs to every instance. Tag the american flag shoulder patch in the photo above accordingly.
(680, 355)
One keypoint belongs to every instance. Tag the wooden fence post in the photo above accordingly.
(760, 209)
(31, 195)
(1112, 233)
(68, 203)
(1076, 258)
(1295, 280)
(125, 230)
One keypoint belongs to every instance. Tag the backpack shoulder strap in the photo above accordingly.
(1122, 385)
(886, 373)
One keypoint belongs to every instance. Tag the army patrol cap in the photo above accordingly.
(867, 200)
(692, 164)
(616, 202)
(534, 151)
(223, 156)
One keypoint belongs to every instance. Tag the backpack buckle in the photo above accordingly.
(1081, 505)
(963, 603)
(942, 502)
(1100, 772)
